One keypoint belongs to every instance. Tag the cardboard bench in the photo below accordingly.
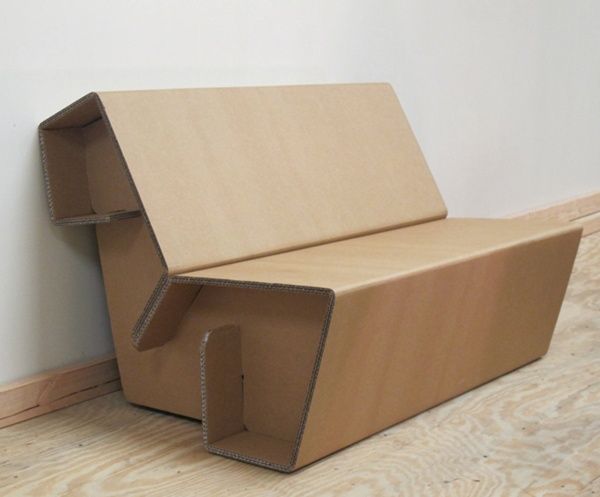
(278, 262)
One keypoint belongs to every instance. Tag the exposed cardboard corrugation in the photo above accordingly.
(150, 308)
(95, 219)
(313, 377)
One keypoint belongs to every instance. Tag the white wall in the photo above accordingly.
(504, 98)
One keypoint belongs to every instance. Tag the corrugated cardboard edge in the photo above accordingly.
(290, 467)
(166, 281)
(100, 218)
(44, 157)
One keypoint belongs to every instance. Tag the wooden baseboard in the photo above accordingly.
(584, 210)
(54, 390)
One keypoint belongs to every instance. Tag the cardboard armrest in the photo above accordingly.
(85, 178)
(222, 385)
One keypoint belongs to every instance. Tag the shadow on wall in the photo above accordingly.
(57, 312)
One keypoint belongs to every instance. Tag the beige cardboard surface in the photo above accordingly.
(363, 261)
(409, 344)
(280, 335)
(349, 264)
(421, 314)
(109, 189)
(223, 275)
(168, 377)
(63, 155)
(86, 181)
(260, 170)
(130, 269)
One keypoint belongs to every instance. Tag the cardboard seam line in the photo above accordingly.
(305, 410)
(97, 219)
(176, 271)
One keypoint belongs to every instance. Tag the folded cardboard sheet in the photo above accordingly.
(278, 262)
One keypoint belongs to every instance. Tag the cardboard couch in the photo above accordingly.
(279, 264)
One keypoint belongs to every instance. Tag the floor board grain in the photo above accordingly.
(533, 432)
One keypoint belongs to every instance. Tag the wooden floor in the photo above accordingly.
(533, 432)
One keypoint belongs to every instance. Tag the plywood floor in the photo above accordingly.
(533, 432)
